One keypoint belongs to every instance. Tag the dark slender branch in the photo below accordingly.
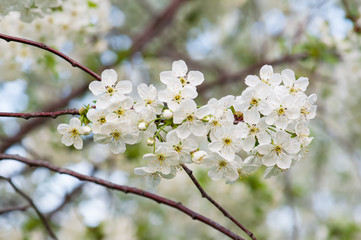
(226, 79)
(125, 189)
(210, 199)
(353, 17)
(67, 198)
(12, 209)
(33, 123)
(31, 202)
(52, 50)
(156, 26)
(73, 111)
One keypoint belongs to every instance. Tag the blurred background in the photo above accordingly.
(319, 198)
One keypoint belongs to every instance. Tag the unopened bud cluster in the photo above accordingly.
(267, 124)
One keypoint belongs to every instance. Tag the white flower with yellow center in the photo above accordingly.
(162, 160)
(281, 151)
(254, 131)
(284, 111)
(178, 76)
(183, 147)
(188, 116)
(291, 85)
(71, 133)
(116, 134)
(307, 107)
(121, 110)
(227, 141)
(221, 167)
(98, 118)
(108, 89)
(266, 82)
(149, 99)
(175, 95)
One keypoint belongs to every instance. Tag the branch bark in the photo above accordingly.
(125, 189)
(210, 199)
(72, 111)
(12, 209)
(31, 202)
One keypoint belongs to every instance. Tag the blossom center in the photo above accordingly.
(161, 157)
(120, 112)
(178, 148)
(110, 90)
(116, 135)
(177, 98)
(183, 81)
(254, 102)
(278, 149)
(190, 118)
(281, 111)
(222, 163)
(227, 141)
(254, 129)
(74, 132)
(148, 102)
(102, 120)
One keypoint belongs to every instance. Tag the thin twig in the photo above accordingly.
(33, 123)
(67, 198)
(354, 18)
(210, 199)
(125, 189)
(31, 202)
(52, 50)
(12, 209)
(73, 111)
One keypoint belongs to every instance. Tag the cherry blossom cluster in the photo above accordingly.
(233, 136)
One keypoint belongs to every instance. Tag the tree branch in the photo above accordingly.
(52, 50)
(72, 111)
(210, 199)
(125, 189)
(157, 25)
(31, 202)
(12, 209)
(354, 18)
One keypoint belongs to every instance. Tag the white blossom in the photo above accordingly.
(72, 133)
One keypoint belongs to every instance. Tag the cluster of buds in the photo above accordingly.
(266, 125)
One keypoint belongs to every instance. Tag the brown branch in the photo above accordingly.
(226, 79)
(210, 199)
(125, 189)
(31, 202)
(67, 198)
(73, 111)
(157, 25)
(12, 209)
(52, 50)
(33, 123)
(354, 18)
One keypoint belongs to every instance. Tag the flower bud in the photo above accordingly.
(82, 111)
(167, 114)
(86, 130)
(142, 126)
(150, 141)
(198, 156)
